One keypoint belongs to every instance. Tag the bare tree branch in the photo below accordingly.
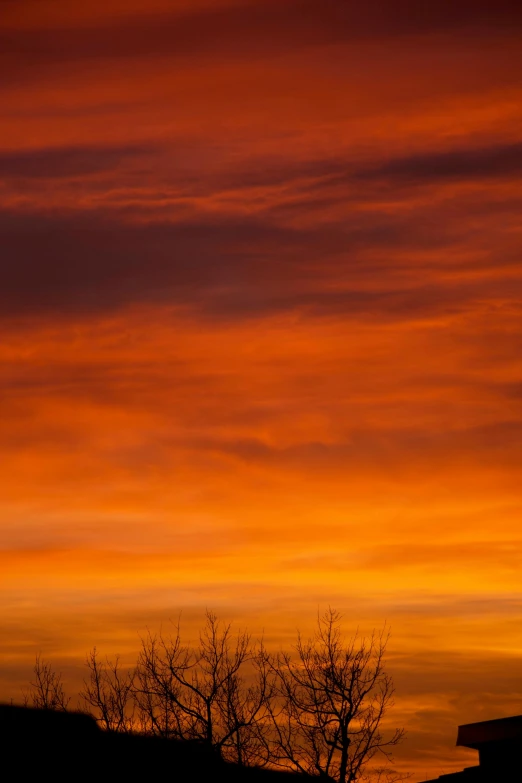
(215, 692)
(46, 691)
(332, 698)
(110, 691)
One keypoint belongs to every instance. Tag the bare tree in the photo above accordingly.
(245, 711)
(110, 691)
(319, 710)
(46, 691)
(157, 691)
(332, 699)
(202, 693)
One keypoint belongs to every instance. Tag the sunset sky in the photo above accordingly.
(261, 334)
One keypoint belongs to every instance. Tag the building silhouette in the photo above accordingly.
(499, 745)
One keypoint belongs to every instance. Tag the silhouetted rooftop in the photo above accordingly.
(476, 735)
(498, 743)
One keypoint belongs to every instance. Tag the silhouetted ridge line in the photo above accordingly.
(46, 744)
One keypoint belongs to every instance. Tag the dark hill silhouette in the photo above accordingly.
(39, 744)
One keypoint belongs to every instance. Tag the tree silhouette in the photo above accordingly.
(201, 693)
(318, 710)
(110, 691)
(46, 691)
(332, 698)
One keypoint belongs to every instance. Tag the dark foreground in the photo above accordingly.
(60, 746)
